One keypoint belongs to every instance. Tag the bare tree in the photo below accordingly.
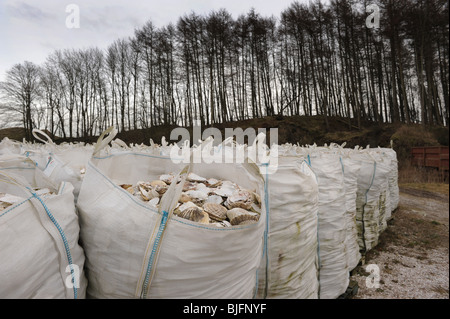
(21, 91)
(316, 59)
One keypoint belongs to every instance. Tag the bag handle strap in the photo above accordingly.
(103, 141)
(173, 193)
(166, 208)
(119, 143)
(47, 140)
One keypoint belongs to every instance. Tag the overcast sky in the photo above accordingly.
(32, 29)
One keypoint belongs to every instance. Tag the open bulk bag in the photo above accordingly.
(63, 163)
(333, 270)
(39, 252)
(27, 168)
(291, 270)
(136, 251)
(39, 152)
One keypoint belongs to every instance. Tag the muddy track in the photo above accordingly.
(424, 194)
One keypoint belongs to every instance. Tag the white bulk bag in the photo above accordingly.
(8, 146)
(63, 163)
(367, 209)
(27, 168)
(39, 252)
(351, 168)
(334, 275)
(351, 172)
(381, 185)
(372, 202)
(292, 267)
(393, 180)
(133, 250)
(391, 155)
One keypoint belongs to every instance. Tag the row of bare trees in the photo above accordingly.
(314, 59)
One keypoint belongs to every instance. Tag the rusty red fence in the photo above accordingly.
(430, 156)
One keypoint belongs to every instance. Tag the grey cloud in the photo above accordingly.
(22, 10)
(107, 18)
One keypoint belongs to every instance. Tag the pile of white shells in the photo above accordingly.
(206, 201)
(7, 200)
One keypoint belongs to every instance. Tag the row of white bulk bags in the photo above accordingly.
(332, 218)
(153, 148)
(39, 249)
(337, 175)
(133, 250)
(350, 169)
(369, 180)
(291, 276)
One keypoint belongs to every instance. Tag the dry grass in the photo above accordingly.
(408, 136)
(409, 174)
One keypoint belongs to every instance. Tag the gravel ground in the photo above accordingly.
(413, 253)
